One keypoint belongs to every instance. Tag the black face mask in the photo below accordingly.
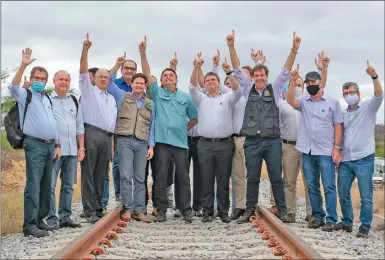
(312, 89)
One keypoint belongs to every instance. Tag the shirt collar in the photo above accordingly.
(55, 95)
(121, 81)
(219, 93)
(101, 91)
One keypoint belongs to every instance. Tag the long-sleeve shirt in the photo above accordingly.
(39, 120)
(69, 122)
(119, 94)
(215, 114)
(99, 107)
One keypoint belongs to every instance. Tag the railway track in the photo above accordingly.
(265, 237)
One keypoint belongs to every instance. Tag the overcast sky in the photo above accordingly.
(348, 32)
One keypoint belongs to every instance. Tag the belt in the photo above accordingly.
(129, 136)
(258, 136)
(41, 140)
(236, 135)
(215, 140)
(288, 142)
(193, 138)
(98, 129)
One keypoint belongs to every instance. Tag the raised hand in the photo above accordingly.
(120, 60)
(230, 39)
(325, 62)
(294, 74)
(296, 42)
(26, 57)
(254, 55)
(198, 60)
(87, 43)
(26, 84)
(174, 61)
(143, 45)
(318, 62)
(370, 70)
(217, 58)
(226, 67)
(262, 58)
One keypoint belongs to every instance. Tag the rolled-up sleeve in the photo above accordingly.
(279, 83)
(196, 94)
(243, 80)
(235, 96)
(20, 94)
(85, 84)
(151, 139)
(375, 102)
(79, 122)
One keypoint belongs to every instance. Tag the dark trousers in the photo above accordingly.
(215, 160)
(39, 164)
(115, 170)
(165, 154)
(170, 177)
(197, 176)
(93, 170)
(270, 150)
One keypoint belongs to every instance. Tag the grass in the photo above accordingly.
(380, 148)
(4, 142)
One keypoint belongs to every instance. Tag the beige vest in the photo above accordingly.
(134, 121)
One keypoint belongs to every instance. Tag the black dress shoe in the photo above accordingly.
(36, 233)
(69, 223)
(225, 218)
(206, 219)
(44, 226)
(245, 217)
(188, 218)
(161, 218)
(93, 219)
(82, 215)
(237, 213)
(316, 223)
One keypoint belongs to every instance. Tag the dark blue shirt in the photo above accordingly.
(122, 84)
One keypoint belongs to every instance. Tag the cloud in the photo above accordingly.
(348, 32)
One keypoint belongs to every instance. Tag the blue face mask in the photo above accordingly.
(38, 86)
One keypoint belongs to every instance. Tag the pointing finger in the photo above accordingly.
(233, 33)
(367, 62)
(124, 55)
(252, 50)
(87, 37)
(225, 60)
(218, 53)
(175, 56)
(294, 35)
(25, 78)
(145, 39)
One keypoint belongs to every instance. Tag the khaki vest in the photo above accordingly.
(134, 121)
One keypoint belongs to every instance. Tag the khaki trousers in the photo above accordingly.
(291, 164)
(239, 173)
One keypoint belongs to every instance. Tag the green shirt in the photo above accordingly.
(173, 112)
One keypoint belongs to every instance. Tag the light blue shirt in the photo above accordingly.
(99, 107)
(119, 94)
(69, 122)
(173, 112)
(359, 126)
(316, 127)
(39, 120)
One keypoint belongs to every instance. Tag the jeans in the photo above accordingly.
(362, 169)
(39, 164)
(106, 189)
(67, 166)
(116, 173)
(270, 150)
(315, 166)
(132, 165)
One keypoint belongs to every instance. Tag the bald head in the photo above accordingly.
(102, 78)
(62, 82)
(60, 73)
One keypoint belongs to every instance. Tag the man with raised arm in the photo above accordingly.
(215, 147)
(261, 127)
(41, 145)
(318, 139)
(176, 114)
(99, 113)
(135, 143)
(358, 152)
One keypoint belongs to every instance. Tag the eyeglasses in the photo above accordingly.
(350, 93)
(129, 68)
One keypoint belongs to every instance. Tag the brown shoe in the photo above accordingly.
(309, 218)
(126, 216)
(142, 217)
(274, 210)
(155, 212)
(290, 218)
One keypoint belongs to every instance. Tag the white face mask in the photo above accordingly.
(351, 99)
(298, 91)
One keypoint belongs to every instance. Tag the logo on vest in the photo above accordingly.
(148, 105)
(266, 93)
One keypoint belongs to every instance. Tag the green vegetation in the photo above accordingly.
(4, 142)
(380, 148)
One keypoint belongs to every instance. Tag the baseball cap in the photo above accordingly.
(313, 76)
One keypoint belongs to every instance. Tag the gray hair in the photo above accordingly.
(347, 85)
(62, 71)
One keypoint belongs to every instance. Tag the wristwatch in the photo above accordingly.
(228, 73)
(82, 148)
(338, 147)
(57, 145)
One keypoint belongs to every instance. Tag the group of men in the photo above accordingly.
(227, 130)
